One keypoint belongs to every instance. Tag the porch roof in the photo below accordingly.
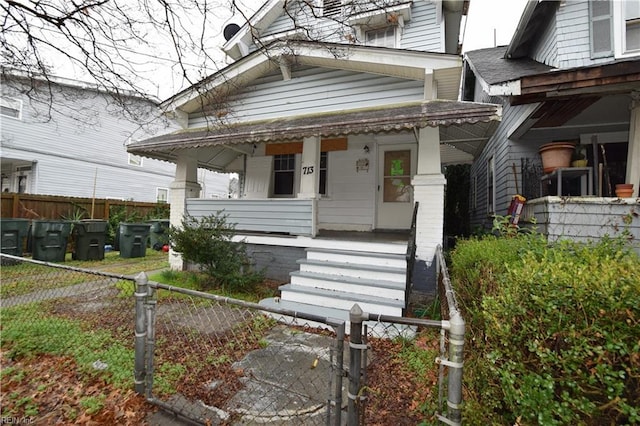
(465, 128)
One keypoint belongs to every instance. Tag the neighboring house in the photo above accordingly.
(65, 137)
(571, 73)
(339, 118)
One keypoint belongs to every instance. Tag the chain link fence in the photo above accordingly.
(216, 360)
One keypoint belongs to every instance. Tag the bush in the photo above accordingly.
(207, 242)
(554, 331)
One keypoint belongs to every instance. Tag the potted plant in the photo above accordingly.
(624, 190)
(555, 155)
(579, 156)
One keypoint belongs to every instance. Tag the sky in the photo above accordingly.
(491, 23)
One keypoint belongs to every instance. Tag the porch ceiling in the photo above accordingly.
(464, 129)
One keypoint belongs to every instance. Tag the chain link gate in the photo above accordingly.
(217, 360)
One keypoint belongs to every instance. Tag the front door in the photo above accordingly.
(396, 166)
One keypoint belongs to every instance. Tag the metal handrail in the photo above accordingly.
(411, 252)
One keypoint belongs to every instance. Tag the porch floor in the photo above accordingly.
(372, 236)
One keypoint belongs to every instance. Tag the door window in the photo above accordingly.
(397, 176)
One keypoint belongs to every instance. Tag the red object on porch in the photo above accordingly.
(515, 209)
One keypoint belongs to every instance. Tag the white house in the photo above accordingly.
(338, 118)
(571, 73)
(66, 137)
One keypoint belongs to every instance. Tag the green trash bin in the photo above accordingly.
(49, 239)
(132, 239)
(159, 233)
(89, 236)
(13, 231)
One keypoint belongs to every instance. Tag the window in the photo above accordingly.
(322, 186)
(10, 107)
(631, 26)
(384, 37)
(21, 183)
(162, 195)
(491, 185)
(284, 167)
(331, 8)
(135, 160)
(474, 194)
(614, 28)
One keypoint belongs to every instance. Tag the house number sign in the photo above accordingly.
(307, 170)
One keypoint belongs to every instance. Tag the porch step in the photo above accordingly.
(396, 260)
(385, 289)
(375, 328)
(364, 271)
(341, 299)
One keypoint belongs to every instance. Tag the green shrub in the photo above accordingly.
(207, 242)
(554, 331)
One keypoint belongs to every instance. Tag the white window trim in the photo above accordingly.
(158, 189)
(379, 19)
(12, 103)
(619, 33)
(132, 160)
(491, 174)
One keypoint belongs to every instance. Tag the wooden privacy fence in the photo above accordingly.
(33, 206)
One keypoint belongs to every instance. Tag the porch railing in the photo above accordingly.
(411, 250)
(294, 216)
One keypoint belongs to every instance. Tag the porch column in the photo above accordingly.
(310, 168)
(633, 154)
(184, 186)
(428, 190)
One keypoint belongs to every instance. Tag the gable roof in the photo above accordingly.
(493, 67)
(402, 63)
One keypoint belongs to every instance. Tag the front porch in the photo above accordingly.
(585, 218)
(323, 271)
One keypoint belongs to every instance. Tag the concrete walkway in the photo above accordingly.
(288, 382)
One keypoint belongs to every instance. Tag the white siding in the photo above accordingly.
(565, 42)
(584, 219)
(423, 32)
(351, 194)
(505, 155)
(85, 141)
(317, 90)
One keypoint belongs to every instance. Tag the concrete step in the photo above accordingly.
(357, 257)
(364, 271)
(341, 300)
(375, 328)
(349, 285)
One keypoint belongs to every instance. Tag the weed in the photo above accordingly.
(92, 404)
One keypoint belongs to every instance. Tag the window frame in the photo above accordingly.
(277, 161)
(618, 29)
(5, 103)
(132, 160)
(158, 191)
(393, 38)
(491, 186)
(324, 175)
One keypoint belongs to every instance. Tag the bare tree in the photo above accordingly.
(122, 46)
(137, 47)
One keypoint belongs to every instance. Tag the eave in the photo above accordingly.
(393, 62)
(464, 125)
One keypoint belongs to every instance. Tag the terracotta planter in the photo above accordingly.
(624, 190)
(556, 154)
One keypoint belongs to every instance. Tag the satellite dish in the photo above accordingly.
(230, 30)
